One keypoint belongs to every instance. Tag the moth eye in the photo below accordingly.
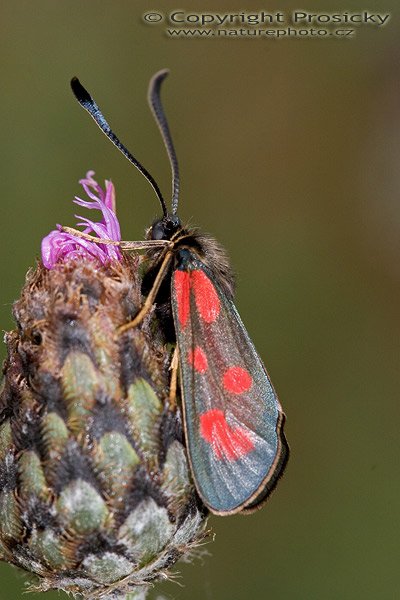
(36, 338)
(158, 231)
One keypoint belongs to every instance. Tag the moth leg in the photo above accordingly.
(89, 238)
(174, 378)
(148, 303)
(140, 245)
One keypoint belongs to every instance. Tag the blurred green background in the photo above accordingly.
(290, 155)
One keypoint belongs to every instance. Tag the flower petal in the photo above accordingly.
(60, 245)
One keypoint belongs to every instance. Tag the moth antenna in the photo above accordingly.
(87, 102)
(156, 106)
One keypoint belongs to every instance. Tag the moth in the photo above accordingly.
(233, 421)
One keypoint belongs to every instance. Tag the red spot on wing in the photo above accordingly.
(181, 279)
(227, 443)
(198, 360)
(207, 300)
(237, 380)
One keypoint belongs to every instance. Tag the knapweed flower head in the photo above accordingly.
(96, 496)
(60, 246)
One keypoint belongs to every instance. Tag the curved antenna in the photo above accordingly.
(87, 102)
(161, 120)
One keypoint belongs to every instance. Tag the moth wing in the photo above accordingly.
(232, 416)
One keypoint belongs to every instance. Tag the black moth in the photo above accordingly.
(233, 420)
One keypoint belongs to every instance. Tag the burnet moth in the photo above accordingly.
(233, 420)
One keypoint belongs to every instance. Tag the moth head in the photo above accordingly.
(165, 228)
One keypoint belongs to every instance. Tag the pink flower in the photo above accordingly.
(59, 245)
